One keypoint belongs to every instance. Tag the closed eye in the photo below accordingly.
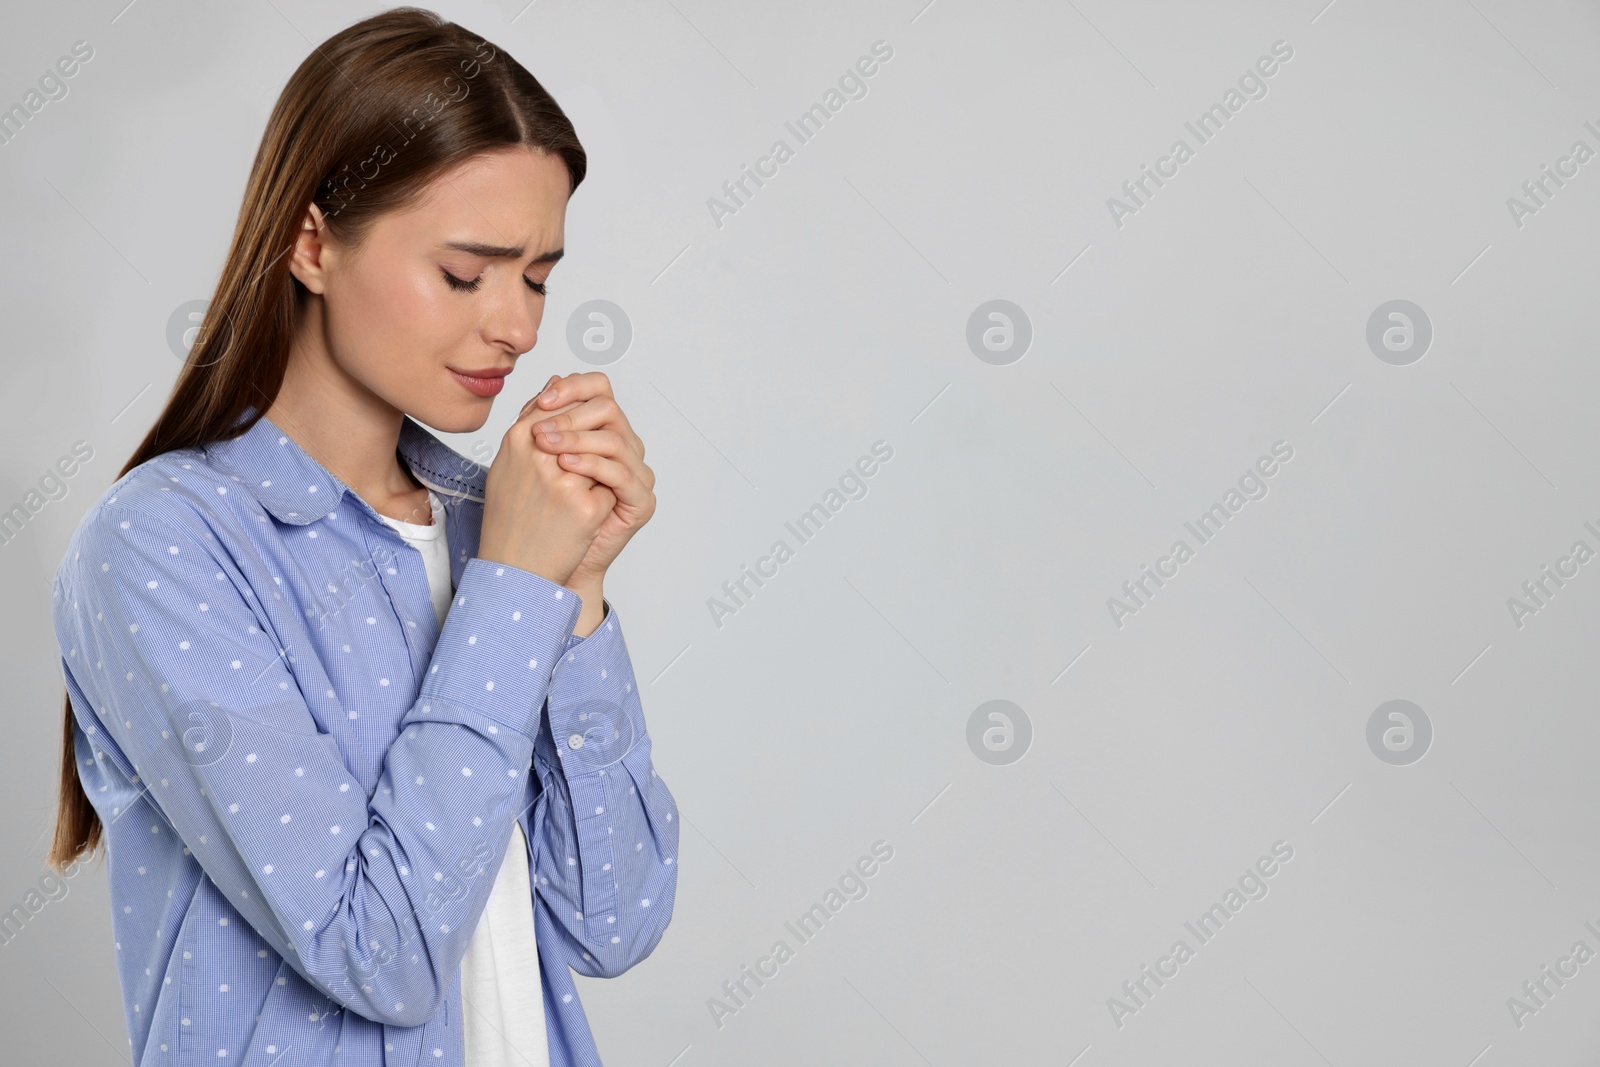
(464, 286)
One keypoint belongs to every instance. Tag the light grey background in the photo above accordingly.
(831, 311)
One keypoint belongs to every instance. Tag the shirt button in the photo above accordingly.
(574, 740)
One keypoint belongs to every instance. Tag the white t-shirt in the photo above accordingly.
(502, 1004)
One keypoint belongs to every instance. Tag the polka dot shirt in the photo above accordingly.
(308, 784)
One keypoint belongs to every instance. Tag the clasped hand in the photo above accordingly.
(589, 435)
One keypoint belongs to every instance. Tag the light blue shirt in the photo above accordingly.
(308, 786)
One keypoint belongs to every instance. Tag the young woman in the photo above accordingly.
(350, 712)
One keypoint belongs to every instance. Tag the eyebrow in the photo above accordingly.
(477, 248)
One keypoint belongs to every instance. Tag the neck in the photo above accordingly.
(342, 425)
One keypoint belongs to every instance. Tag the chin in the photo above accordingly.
(443, 417)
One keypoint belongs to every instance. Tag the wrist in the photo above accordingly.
(583, 582)
(592, 597)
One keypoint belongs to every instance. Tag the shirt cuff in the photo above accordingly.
(595, 714)
(605, 606)
(505, 629)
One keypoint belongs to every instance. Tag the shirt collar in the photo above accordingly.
(297, 489)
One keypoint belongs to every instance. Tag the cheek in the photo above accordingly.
(395, 324)
(414, 303)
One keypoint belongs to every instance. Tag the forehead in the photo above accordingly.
(515, 195)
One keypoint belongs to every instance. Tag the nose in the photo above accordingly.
(513, 318)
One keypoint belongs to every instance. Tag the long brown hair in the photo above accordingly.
(365, 122)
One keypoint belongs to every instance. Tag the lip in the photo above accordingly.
(486, 382)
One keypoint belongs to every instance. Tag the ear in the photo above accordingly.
(313, 254)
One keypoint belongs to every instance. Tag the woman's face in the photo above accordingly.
(451, 286)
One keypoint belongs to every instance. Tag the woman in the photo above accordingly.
(350, 712)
